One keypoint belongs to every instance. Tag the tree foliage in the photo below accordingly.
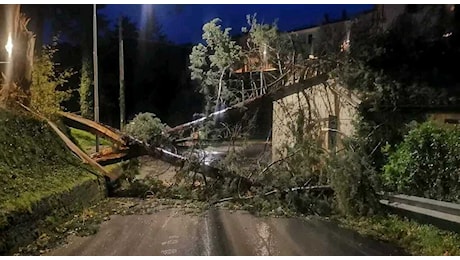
(400, 71)
(46, 97)
(147, 128)
(354, 180)
(86, 90)
(426, 163)
(211, 64)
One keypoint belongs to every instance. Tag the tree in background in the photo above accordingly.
(46, 98)
(86, 90)
(75, 23)
(211, 65)
(109, 68)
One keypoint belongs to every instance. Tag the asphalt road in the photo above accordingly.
(220, 232)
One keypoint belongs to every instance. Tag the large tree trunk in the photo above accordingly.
(18, 76)
(254, 102)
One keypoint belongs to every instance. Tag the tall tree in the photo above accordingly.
(109, 68)
(75, 24)
(211, 64)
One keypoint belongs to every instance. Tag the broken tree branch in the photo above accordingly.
(309, 188)
(73, 147)
(276, 162)
(273, 95)
(93, 127)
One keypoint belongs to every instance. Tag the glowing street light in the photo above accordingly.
(9, 49)
(9, 46)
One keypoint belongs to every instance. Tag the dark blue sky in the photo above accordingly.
(185, 25)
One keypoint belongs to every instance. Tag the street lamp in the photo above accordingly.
(9, 49)
(9, 46)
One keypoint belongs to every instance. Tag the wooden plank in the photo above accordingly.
(73, 147)
(93, 127)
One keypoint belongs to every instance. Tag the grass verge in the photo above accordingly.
(85, 140)
(34, 164)
(415, 238)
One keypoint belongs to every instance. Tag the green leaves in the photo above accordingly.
(210, 63)
(34, 162)
(147, 128)
(261, 35)
(426, 163)
(45, 97)
(86, 90)
(353, 179)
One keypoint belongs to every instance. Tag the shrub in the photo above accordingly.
(45, 97)
(426, 163)
(147, 128)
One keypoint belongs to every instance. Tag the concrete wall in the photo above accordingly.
(316, 104)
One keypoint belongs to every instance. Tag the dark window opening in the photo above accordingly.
(310, 39)
(452, 121)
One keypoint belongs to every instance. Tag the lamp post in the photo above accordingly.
(9, 46)
(9, 49)
(96, 87)
(122, 74)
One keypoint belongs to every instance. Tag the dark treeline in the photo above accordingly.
(156, 71)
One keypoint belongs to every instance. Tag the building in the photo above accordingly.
(328, 106)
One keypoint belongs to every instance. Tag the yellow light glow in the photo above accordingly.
(9, 46)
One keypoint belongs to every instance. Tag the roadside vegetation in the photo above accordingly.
(34, 165)
(416, 238)
(85, 140)
(34, 162)
(426, 163)
(391, 149)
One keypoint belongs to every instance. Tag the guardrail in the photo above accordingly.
(445, 215)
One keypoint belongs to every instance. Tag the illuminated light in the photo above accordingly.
(447, 34)
(9, 46)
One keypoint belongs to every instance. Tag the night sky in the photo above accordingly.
(184, 24)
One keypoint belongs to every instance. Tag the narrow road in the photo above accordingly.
(220, 232)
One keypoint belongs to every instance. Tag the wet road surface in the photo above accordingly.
(220, 232)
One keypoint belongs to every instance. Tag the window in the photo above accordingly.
(310, 38)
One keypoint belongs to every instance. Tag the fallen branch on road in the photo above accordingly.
(276, 162)
(309, 188)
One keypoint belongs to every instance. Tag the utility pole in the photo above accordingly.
(122, 74)
(96, 86)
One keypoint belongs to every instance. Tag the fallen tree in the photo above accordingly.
(73, 147)
(138, 148)
(254, 102)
